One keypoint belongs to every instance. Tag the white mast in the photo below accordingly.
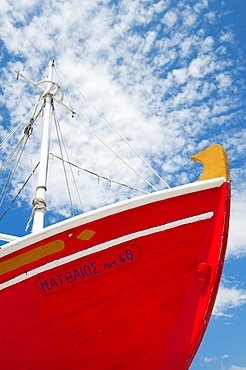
(39, 204)
(48, 95)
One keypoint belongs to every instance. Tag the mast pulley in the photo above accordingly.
(28, 130)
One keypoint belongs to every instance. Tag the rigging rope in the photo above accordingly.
(63, 88)
(17, 127)
(65, 149)
(100, 176)
(17, 153)
(27, 133)
(117, 132)
(38, 204)
(64, 169)
(32, 173)
(12, 172)
(117, 155)
(11, 155)
(31, 164)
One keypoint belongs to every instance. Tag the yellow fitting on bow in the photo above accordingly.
(215, 162)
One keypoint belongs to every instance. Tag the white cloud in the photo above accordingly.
(200, 66)
(201, 5)
(233, 367)
(187, 45)
(227, 36)
(189, 16)
(224, 80)
(208, 44)
(4, 7)
(207, 359)
(227, 299)
(150, 38)
(161, 5)
(170, 18)
(212, 17)
(204, 361)
(180, 75)
(237, 240)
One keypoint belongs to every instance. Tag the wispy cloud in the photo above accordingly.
(205, 361)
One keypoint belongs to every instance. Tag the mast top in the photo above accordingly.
(53, 88)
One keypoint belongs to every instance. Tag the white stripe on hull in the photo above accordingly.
(104, 246)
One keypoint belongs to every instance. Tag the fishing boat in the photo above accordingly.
(130, 285)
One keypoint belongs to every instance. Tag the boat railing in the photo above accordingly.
(8, 238)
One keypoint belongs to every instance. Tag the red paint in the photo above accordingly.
(204, 273)
(148, 311)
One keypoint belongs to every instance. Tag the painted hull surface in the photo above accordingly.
(130, 286)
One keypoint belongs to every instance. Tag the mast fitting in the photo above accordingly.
(28, 130)
(41, 187)
(38, 204)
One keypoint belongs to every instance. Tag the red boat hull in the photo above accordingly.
(107, 294)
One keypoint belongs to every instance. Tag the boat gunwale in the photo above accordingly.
(108, 210)
(104, 246)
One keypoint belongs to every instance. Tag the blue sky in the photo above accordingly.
(170, 76)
